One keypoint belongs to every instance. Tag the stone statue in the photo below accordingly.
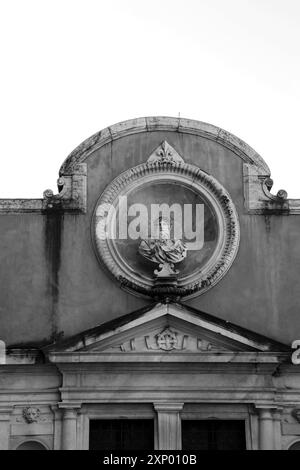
(163, 250)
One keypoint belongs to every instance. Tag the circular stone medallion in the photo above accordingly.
(176, 211)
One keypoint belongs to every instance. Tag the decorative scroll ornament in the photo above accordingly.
(281, 195)
(165, 154)
(48, 193)
(31, 414)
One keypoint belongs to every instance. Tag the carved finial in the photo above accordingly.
(165, 154)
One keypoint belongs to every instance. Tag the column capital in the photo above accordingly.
(264, 409)
(168, 407)
(266, 406)
(70, 413)
(69, 406)
(56, 410)
(169, 425)
(265, 414)
(278, 412)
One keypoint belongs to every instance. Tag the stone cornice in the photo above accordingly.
(252, 359)
(163, 123)
(71, 196)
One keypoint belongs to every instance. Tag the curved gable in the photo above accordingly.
(162, 123)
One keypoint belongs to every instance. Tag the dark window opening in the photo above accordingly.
(213, 435)
(122, 434)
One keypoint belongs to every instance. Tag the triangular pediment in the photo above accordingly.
(165, 335)
(167, 329)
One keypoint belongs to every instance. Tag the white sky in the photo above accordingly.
(72, 67)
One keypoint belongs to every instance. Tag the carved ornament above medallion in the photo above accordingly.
(165, 154)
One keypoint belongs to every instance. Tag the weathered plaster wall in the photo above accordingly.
(51, 281)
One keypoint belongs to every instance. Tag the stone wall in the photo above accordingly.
(51, 283)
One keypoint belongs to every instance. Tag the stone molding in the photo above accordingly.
(5, 412)
(95, 342)
(31, 438)
(259, 199)
(242, 361)
(71, 196)
(196, 179)
(163, 123)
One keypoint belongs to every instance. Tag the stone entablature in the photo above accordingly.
(242, 376)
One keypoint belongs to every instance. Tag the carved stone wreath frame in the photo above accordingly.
(209, 189)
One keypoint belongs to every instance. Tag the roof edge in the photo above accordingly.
(166, 123)
(79, 340)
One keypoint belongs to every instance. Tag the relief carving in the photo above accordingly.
(165, 154)
(167, 340)
(31, 414)
(163, 250)
(127, 346)
(296, 414)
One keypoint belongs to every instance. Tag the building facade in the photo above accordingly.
(153, 302)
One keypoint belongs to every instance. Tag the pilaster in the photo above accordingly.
(69, 427)
(169, 425)
(5, 412)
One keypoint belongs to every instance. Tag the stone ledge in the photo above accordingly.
(72, 196)
(258, 197)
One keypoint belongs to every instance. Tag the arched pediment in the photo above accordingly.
(163, 123)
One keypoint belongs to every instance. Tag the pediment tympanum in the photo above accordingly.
(165, 336)
(164, 329)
